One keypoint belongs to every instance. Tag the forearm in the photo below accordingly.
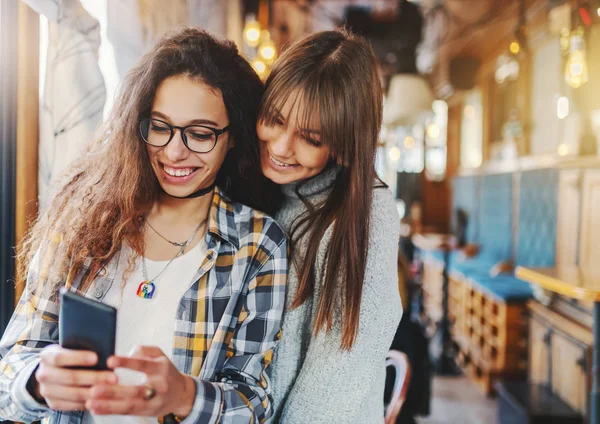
(228, 403)
(16, 402)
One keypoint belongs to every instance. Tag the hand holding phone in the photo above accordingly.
(63, 378)
(85, 324)
(87, 339)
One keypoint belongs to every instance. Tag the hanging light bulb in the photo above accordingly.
(267, 50)
(515, 47)
(576, 69)
(252, 31)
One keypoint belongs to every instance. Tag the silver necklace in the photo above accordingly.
(174, 243)
(147, 288)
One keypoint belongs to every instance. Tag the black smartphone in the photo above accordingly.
(85, 324)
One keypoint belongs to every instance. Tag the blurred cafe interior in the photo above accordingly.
(490, 144)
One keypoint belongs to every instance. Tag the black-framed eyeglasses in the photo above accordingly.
(197, 138)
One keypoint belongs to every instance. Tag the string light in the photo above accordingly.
(267, 50)
(252, 31)
(409, 142)
(394, 154)
(260, 67)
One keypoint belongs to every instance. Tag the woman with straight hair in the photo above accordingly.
(153, 221)
(318, 129)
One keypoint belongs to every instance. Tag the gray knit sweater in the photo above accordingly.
(313, 380)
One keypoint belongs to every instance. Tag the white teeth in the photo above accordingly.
(178, 172)
(276, 162)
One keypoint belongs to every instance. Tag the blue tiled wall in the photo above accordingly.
(465, 195)
(495, 217)
(536, 245)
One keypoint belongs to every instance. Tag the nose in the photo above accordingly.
(176, 150)
(281, 143)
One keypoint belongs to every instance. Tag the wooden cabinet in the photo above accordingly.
(491, 335)
(456, 307)
(569, 370)
(560, 356)
(567, 235)
(538, 351)
(589, 248)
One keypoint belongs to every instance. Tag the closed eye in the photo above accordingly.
(160, 128)
(310, 140)
(201, 136)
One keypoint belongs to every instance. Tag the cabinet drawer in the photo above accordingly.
(570, 360)
(538, 351)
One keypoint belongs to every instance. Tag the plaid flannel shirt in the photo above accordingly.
(227, 324)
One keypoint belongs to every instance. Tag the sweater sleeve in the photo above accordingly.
(335, 386)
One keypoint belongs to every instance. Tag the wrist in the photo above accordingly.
(185, 407)
(33, 387)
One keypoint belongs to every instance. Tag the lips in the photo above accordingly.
(178, 172)
(179, 175)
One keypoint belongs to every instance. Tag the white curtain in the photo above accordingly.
(74, 93)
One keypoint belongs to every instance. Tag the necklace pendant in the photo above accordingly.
(146, 289)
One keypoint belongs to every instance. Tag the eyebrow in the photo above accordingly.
(195, 121)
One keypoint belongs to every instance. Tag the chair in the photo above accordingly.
(399, 361)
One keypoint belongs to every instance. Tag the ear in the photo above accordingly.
(230, 143)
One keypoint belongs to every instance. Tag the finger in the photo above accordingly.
(117, 391)
(146, 352)
(118, 407)
(78, 378)
(58, 356)
(66, 405)
(59, 392)
(146, 366)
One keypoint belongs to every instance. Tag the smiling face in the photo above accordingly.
(290, 152)
(181, 101)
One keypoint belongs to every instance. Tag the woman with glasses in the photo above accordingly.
(158, 220)
(318, 130)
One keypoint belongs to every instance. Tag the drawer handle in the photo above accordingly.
(582, 363)
(548, 337)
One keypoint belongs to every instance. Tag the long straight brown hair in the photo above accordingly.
(336, 74)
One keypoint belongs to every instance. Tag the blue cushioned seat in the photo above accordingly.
(471, 266)
(506, 287)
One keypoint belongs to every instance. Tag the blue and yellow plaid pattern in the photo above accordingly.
(226, 327)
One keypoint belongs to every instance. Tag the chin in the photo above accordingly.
(178, 192)
(277, 177)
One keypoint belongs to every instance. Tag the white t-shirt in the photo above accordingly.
(149, 322)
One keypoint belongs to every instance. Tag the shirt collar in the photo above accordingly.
(221, 219)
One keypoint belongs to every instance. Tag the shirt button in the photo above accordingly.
(98, 294)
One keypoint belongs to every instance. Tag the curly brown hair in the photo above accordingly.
(110, 189)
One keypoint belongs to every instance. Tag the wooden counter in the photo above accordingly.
(572, 282)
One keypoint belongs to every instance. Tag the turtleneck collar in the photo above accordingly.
(318, 184)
